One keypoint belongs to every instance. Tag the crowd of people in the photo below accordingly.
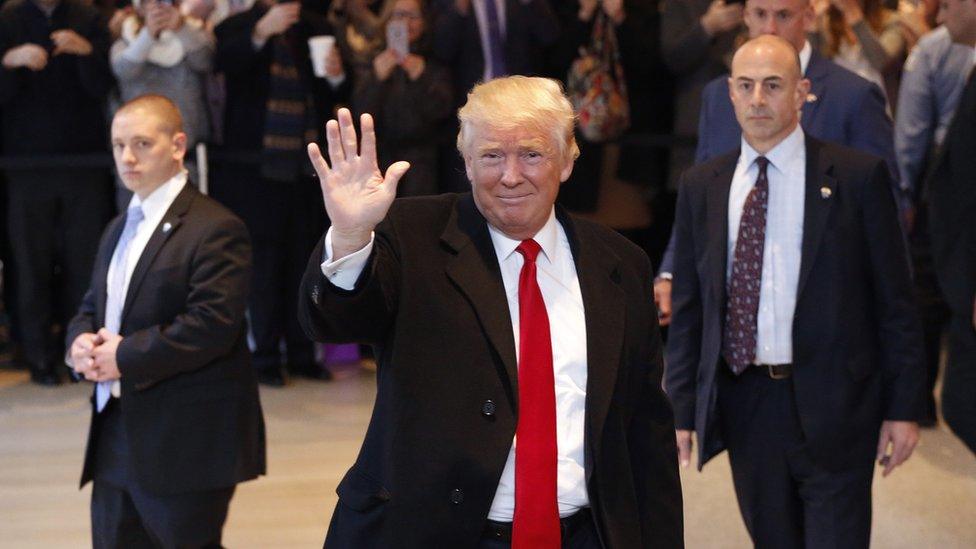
(252, 87)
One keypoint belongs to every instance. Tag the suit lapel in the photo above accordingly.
(475, 271)
(604, 306)
(717, 208)
(167, 226)
(821, 185)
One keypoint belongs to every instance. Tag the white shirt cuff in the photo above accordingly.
(344, 273)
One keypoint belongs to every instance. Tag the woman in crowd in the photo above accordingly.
(864, 37)
(410, 98)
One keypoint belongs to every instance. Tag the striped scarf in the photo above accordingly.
(289, 121)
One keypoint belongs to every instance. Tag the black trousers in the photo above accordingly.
(54, 221)
(285, 219)
(959, 381)
(585, 537)
(125, 516)
(786, 499)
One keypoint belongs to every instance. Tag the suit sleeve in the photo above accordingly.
(684, 336)
(870, 130)
(212, 320)
(654, 453)
(702, 151)
(235, 51)
(363, 314)
(900, 335)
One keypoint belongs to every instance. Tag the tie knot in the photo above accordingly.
(134, 215)
(529, 249)
(762, 162)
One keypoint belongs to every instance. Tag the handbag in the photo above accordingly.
(596, 87)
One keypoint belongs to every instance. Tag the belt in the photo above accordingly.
(773, 371)
(502, 531)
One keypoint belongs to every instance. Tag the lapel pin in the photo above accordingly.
(167, 226)
(825, 192)
(811, 98)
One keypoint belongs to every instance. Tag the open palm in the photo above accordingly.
(356, 194)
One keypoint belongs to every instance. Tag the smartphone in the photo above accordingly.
(730, 2)
(396, 38)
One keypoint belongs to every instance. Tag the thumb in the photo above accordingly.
(394, 173)
(883, 442)
(684, 450)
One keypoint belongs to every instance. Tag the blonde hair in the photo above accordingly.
(170, 119)
(520, 102)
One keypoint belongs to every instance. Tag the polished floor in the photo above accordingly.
(314, 431)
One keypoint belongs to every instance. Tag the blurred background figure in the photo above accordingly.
(275, 104)
(54, 80)
(864, 37)
(697, 41)
(162, 51)
(932, 83)
(409, 95)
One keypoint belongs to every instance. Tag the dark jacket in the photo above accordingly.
(432, 301)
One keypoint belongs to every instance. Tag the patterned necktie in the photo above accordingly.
(536, 522)
(116, 298)
(739, 349)
(495, 40)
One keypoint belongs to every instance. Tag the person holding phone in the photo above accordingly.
(409, 96)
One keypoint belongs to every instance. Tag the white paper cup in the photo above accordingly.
(319, 48)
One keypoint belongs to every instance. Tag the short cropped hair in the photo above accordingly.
(520, 101)
(161, 106)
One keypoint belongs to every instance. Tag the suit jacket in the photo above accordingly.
(857, 352)
(847, 110)
(529, 26)
(951, 193)
(189, 394)
(431, 299)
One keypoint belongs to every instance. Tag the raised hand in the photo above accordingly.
(356, 194)
(277, 20)
(70, 42)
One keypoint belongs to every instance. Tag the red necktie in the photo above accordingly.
(536, 522)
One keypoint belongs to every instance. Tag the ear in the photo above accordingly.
(567, 169)
(802, 90)
(468, 170)
(731, 88)
(179, 146)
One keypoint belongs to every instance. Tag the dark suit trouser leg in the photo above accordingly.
(54, 219)
(305, 225)
(125, 515)
(959, 381)
(785, 498)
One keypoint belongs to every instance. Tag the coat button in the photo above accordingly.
(457, 496)
(488, 408)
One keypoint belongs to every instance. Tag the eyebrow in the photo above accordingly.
(766, 79)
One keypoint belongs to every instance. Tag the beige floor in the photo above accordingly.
(314, 432)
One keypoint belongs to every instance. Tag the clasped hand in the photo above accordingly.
(356, 194)
(93, 355)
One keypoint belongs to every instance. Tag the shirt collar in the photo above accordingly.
(547, 238)
(780, 155)
(805, 54)
(160, 200)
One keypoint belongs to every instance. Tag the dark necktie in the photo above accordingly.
(739, 339)
(495, 41)
(536, 521)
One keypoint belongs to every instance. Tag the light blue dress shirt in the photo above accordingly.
(784, 240)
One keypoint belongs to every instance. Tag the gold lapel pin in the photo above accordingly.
(167, 226)
(811, 98)
(825, 192)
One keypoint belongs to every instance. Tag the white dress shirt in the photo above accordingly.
(805, 54)
(154, 207)
(559, 283)
(784, 239)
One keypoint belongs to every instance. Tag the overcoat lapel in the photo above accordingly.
(167, 226)
(821, 185)
(604, 306)
(474, 270)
